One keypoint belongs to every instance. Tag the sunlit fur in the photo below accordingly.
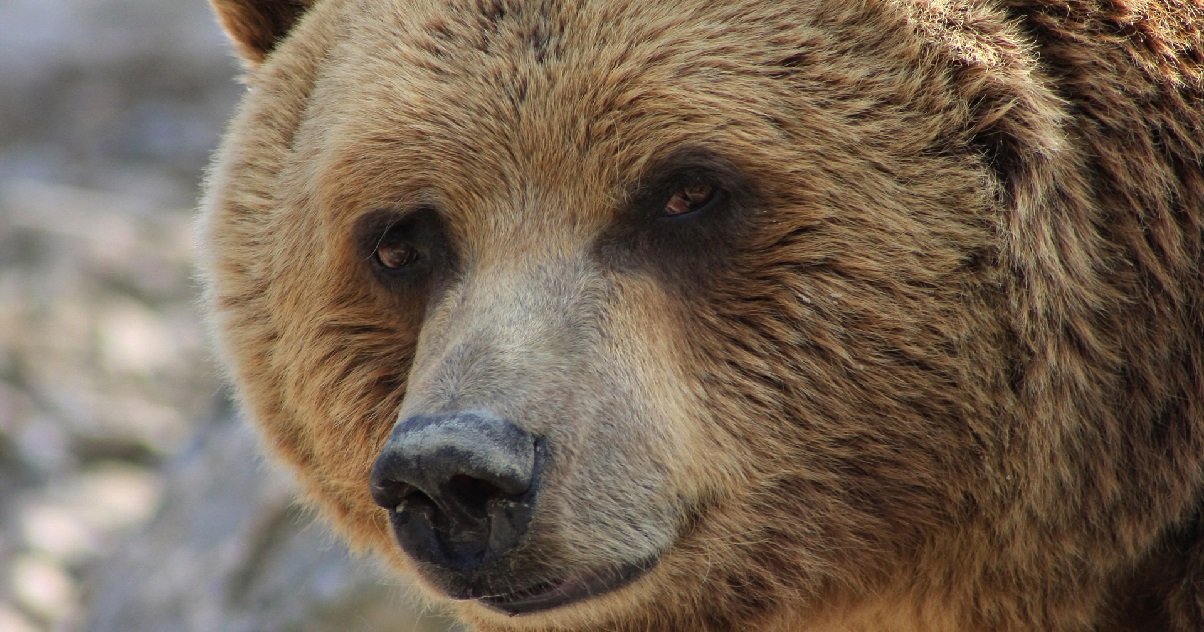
(949, 375)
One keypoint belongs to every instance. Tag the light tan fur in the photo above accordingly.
(942, 367)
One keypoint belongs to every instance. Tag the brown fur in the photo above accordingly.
(940, 368)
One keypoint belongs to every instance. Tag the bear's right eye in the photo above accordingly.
(395, 253)
(401, 248)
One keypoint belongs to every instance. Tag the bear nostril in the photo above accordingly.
(471, 494)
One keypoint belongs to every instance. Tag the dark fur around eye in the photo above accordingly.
(690, 247)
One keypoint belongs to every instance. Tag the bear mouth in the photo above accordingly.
(567, 590)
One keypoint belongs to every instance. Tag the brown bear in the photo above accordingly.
(731, 315)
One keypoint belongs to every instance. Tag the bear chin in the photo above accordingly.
(569, 590)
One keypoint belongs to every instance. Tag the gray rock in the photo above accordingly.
(230, 550)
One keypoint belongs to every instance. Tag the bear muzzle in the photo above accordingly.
(461, 489)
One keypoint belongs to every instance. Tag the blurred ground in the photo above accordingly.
(108, 111)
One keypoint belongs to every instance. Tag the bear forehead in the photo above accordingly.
(512, 100)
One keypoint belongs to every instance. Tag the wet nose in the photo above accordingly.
(459, 487)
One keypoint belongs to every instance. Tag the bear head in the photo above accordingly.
(665, 315)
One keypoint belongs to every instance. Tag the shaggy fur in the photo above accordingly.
(938, 363)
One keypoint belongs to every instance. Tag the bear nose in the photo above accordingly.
(459, 486)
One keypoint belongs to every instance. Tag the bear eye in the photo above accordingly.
(692, 196)
(401, 248)
(394, 253)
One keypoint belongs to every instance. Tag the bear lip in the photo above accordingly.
(566, 591)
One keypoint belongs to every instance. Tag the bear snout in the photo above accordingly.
(460, 488)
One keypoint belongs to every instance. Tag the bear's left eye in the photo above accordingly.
(691, 196)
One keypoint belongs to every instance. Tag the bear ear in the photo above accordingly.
(256, 26)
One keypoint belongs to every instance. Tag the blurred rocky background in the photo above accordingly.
(131, 497)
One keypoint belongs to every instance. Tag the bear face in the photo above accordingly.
(719, 302)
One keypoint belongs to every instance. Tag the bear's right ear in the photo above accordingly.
(256, 26)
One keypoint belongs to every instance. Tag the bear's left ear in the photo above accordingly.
(256, 26)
